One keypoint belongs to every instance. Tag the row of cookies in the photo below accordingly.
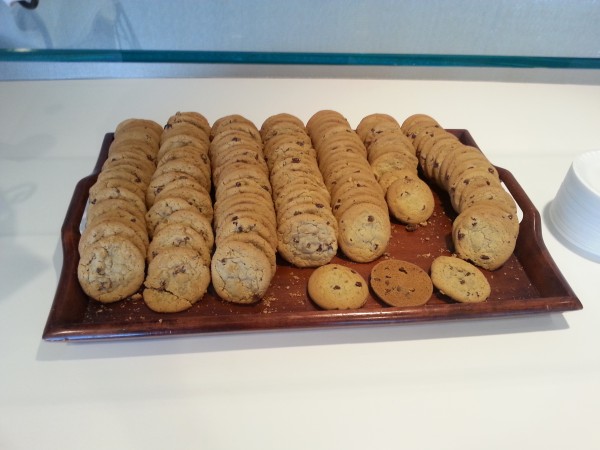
(113, 245)
(398, 283)
(306, 228)
(402, 283)
(487, 226)
(179, 218)
(357, 200)
(245, 225)
(393, 159)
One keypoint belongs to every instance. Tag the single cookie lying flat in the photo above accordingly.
(459, 280)
(400, 283)
(334, 286)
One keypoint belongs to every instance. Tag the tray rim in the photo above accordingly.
(57, 329)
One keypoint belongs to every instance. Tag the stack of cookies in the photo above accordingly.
(245, 225)
(114, 242)
(306, 228)
(357, 199)
(392, 157)
(486, 229)
(179, 218)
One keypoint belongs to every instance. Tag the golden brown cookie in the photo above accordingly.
(401, 283)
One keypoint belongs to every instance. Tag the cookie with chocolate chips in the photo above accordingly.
(459, 280)
(485, 235)
(177, 278)
(334, 286)
(401, 283)
(364, 232)
(111, 269)
(306, 228)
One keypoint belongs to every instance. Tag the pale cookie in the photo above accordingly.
(115, 193)
(416, 118)
(401, 283)
(261, 244)
(180, 182)
(495, 194)
(117, 183)
(200, 199)
(334, 286)
(190, 218)
(135, 123)
(180, 140)
(115, 208)
(381, 130)
(364, 232)
(485, 235)
(111, 227)
(192, 117)
(245, 223)
(272, 121)
(164, 208)
(178, 235)
(223, 122)
(189, 167)
(459, 280)
(306, 240)
(177, 278)
(119, 174)
(131, 157)
(240, 272)
(182, 128)
(368, 123)
(136, 145)
(164, 181)
(409, 199)
(472, 180)
(124, 165)
(111, 269)
(199, 155)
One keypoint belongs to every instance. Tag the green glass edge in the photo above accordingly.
(339, 59)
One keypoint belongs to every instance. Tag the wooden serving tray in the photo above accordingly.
(529, 282)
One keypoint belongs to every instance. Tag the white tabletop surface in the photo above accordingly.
(528, 382)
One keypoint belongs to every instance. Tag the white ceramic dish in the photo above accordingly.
(575, 211)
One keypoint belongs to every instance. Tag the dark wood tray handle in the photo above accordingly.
(70, 234)
(530, 245)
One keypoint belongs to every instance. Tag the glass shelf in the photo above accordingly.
(281, 58)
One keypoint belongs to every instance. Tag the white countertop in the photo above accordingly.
(527, 382)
